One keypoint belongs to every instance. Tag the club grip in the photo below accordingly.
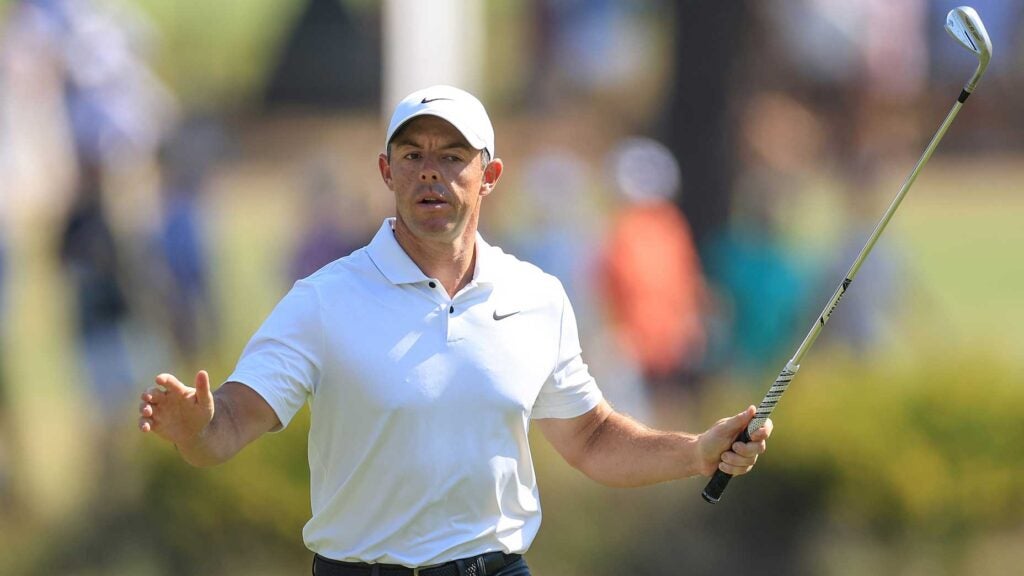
(716, 486)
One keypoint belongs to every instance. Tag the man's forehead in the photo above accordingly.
(426, 126)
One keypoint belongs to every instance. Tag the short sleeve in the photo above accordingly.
(570, 390)
(282, 361)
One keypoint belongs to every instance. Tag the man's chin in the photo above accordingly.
(436, 230)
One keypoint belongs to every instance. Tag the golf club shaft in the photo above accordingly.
(716, 486)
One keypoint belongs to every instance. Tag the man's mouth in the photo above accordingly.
(432, 198)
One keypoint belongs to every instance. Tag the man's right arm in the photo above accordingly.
(207, 428)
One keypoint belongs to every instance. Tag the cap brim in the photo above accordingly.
(473, 139)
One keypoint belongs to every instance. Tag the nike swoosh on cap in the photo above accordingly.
(429, 100)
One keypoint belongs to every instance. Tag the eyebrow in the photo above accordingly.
(403, 140)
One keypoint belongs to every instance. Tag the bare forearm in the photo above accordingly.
(621, 452)
(615, 450)
(206, 427)
(218, 442)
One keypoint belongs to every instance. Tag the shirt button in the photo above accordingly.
(433, 284)
(451, 310)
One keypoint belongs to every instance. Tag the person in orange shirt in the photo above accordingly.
(650, 271)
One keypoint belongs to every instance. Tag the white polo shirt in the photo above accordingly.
(421, 403)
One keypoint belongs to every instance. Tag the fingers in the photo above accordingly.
(742, 456)
(751, 449)
(203, 394)
(736, 424)
(153, 395)
(763, 432)
(147, 421)
(171, 384)
(734, 470)
(169, 397)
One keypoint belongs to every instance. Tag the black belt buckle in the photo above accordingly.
(491, 563)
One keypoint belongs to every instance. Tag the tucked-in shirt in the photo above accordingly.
(420, 403)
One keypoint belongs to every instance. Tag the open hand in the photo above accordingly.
(176, 412)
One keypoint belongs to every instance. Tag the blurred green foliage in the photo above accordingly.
(212, 53)
(930, 449)
(869, 461)
(922, 453)
(250, 511)
(243, 517)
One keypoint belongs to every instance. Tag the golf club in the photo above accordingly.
(965, 25)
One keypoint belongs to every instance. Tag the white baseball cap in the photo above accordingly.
(458, 107)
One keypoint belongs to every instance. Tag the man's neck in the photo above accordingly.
(452, 263)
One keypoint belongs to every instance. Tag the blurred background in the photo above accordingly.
(699, 175)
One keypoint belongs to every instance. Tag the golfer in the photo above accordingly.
(425, 356)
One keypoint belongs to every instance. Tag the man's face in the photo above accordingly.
(438, 179)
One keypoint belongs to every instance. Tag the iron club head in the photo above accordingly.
(964, 24)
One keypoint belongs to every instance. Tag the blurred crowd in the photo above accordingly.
(683, 234)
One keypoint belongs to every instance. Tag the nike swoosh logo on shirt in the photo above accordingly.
(503, 316)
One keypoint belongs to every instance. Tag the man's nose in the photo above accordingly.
(429, 171)
(429, 174)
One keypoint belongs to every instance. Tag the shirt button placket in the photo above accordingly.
(451, 335)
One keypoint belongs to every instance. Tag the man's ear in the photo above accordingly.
(385, 169)
(492, 172)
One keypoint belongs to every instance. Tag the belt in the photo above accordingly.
(483, 565)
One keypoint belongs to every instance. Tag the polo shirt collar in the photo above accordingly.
(390, 258)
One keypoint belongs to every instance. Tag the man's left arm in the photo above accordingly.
(615, 450)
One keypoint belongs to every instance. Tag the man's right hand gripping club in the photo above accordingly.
(719, 449)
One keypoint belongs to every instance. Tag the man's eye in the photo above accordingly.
(412, 156)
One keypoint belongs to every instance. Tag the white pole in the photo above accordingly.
(431, 42)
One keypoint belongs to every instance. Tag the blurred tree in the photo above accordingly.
(698, 121)
(331, 59)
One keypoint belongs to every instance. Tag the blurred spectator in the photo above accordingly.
(112, 97)
(329, 229)
(871, 304)
(650, 271)
(563, 224)
(757, 279)
(838, 44)
(559, 234)
(116, 112)
(5, 419)
(4, 235)
(89, 254)
(35, 145)
(3, 300)
(77, 105)
(585, 46)
(861, 66)
(180, 241)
